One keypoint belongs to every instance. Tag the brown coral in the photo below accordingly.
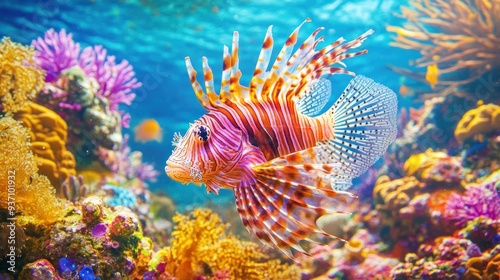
(481, 268)
(455, 36)
(48, 139)
(199, 243)
(20, 78)
(34, 196)
(483, 119)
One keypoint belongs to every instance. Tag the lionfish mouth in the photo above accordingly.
(183, 173)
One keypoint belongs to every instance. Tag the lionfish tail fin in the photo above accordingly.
(364, 124)
(282, 212)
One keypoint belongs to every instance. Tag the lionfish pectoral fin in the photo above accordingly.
(315, 98)
(282, 206)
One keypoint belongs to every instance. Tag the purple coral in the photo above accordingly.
(128, 163)
(55, 52)
(116, 81)
(477, 201)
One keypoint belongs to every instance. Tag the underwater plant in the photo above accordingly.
(456, 39)
(20, 78)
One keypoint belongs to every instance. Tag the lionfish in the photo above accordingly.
(286, 161)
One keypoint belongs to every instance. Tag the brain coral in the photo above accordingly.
(48, 139)
(20, 78)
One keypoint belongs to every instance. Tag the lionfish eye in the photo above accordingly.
(202, 132)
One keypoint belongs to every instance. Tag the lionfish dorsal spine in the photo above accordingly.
(260, 72)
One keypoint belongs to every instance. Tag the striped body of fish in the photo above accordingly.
(286, 164)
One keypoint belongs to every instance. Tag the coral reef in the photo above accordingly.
(94, 124)
(445, 259)
(199, 245)
(93, 240)
(48, 134)
(74, 188)
(484, 268)
(413, 207)
(430, 127)
(39, 270)
(435, 167)
(458, 37)
(19, 170)
(20, 78)
(477, 201)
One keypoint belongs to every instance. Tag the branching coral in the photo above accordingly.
(34, 196)
(48, 139)
(20, 78)
(200, 242)
(455, 36)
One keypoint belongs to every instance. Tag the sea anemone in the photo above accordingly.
(477, 201)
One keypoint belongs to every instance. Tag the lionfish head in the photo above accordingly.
(209, 149)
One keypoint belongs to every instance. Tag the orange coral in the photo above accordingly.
(200, 241)
(456, 35)
(48, 139)
(483, 119)
(33, 194)
(20, 78)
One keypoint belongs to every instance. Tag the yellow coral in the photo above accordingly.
(483, 119)
(33, 194)
(48, 142)
(434, 166)
(458, 36)
(200, 241)
(20, 78)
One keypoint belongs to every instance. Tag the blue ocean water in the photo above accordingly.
(155, 36)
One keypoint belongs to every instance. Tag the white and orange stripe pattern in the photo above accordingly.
(286, 166)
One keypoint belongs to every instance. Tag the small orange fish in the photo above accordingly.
(432, 74)
(148, 130)
(406, 91)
